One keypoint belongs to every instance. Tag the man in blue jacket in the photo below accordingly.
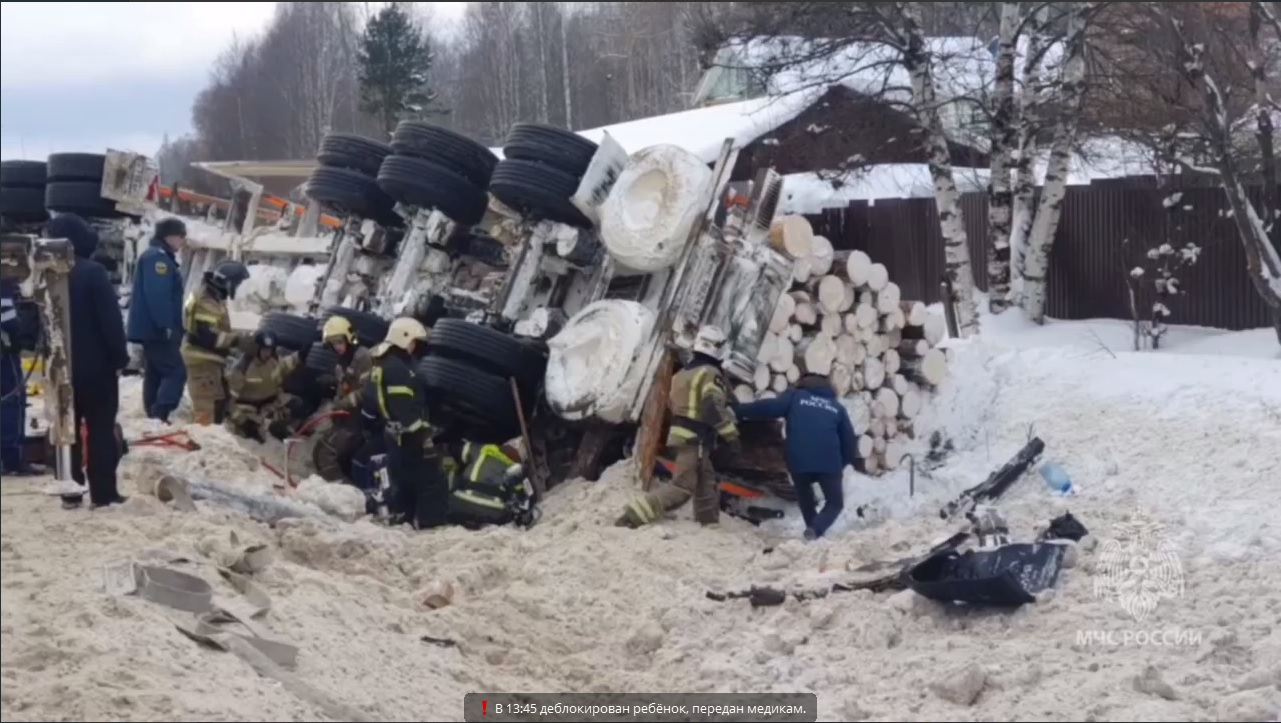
(155, 319)
(19, 330)
(820, 443)
(98, 354)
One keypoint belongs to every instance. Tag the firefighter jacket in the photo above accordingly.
(256, 382)
(352, 374)
(699, 403)
(207, 329)
(402, 405)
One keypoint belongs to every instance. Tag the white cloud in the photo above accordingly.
(77, 44)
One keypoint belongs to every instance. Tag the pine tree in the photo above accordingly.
(395, 60)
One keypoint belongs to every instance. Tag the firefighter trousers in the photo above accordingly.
(693, 478)
(420, 491)
(208, 389)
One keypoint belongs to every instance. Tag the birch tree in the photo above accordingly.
(1005, 136)
(1054, 190)
(1263, 263)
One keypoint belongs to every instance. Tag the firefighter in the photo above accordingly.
(254, 382)
(354, 364)
(701, 416)
(488, 486)
(420, 492)
(209, 340)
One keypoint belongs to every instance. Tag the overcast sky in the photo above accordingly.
(93, 75)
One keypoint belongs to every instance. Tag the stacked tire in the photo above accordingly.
(345, 181)
(542, 169)
(434, 167)
(75, 186)
(467, 375)
(22, 188)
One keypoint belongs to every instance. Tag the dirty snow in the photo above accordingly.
(575, 604)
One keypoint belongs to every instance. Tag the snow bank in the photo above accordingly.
(576, 604)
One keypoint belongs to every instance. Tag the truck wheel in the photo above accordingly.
(538, 190)
(416, 182)
(83, 198)
(321, 358)
(293, 333)
(353, 152)
(24, 203)
(479, 401)
(370, 329)
(556, 147)
(22, 174)
(490, 350)
(454, 151)
(348, 191)
(75, 167)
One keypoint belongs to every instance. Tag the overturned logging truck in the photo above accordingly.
(561, 283)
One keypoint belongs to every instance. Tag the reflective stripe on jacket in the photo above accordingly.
(207, 326)
(700, 407)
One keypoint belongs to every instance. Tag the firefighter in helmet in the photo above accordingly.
(208, 340)
(701, 418)
(255, 385)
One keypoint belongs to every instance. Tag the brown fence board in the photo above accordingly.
(1090, 259)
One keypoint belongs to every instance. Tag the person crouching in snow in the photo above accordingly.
(820, 443)
(700, 418)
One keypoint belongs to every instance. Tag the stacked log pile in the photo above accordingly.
(846, 320)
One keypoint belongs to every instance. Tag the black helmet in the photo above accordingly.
(265, 340)
(227, 276)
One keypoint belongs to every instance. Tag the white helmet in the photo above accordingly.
(402, 332)
(710, 341)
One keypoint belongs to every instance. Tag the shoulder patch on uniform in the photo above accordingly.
(162, 268)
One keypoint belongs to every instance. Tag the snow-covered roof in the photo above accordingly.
(963, 66)
(808, 193)
(702, 131)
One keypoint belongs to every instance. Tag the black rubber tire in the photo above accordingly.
(293, 333)
(22, 202)
(348, 191)
(490, 350)
(483, 248)
(416, 182)
(75, 167)
(478, 402)
(557, 147)
(22, 174)
(83, 198)
(322, 358)
(537, 190)
(353, 152)
(371, 329)
(442, 146)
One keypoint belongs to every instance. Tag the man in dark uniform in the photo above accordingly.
(155, 319)
(98, 354)
(420, 493)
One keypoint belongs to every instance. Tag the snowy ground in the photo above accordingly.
(1186, 437)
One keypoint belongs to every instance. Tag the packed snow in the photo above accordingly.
(1185, 437)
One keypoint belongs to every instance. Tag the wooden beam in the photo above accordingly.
(653, 424)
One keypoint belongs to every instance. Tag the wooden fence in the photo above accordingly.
(1090, 258)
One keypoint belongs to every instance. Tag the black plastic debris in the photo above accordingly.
(1064, 527)
(1006, 576)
